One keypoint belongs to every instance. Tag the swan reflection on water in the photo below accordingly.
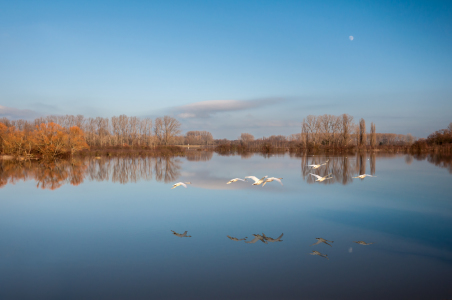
(320, 240)
(53, 175)
(319, 254)
(236, 239)
(272, 240)
(264, 239)
(363, 243)
(181, 235)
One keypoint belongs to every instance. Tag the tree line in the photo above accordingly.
(117, 130)
(55, 135)
(329, 131)
(48, 140)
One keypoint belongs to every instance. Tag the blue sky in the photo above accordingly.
(230, 66)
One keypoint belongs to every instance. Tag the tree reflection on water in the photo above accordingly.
(344, 168)
(54, 174)
(47, 174)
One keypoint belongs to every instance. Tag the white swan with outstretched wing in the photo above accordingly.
(235, 180)
(270, 179)
(184, 184)
(362, 176)
(318, 166)
(257, 181)
(320, 178)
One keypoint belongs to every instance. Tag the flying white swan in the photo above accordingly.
(270, 179)
(320, 178)
(235, 180)
(236, 239)
(362, 243)
(256, 180)
(320, 240)
(181, 234)
(272, 240)
(363, 176)
(180, 184)
(318, 166)
(319, 254)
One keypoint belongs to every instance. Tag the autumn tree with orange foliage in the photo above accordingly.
(75, 140)
(48, 140)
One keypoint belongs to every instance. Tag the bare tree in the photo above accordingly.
(166, 128)
(373, 135)
(362, 133)
(246, 138)
(346, 128)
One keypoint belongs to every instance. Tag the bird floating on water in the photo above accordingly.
(320, 178)
(270, 179)
(362, 243)
(256, 180)
(319, 254)
(318, 166)
(362, 176)
(181, 234)
(320, 240)
(235, 180)
(184, 184)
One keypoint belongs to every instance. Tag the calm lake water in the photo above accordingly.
(103, 229)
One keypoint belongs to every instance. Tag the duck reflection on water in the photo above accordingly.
(236, 239)
(181, 235)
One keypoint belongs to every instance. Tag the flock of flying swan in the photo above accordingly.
(320, 178)
(264, 180)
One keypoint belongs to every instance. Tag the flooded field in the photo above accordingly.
(115, 228)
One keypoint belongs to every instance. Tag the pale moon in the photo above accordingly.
(351, 38)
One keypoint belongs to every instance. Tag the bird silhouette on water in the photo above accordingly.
(236, 239)
(319, 254)
(272, 240)
(257, 237)
(362, 243)
(320, 240)
(181, 234)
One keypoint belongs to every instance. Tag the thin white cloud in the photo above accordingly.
(15, 113)
(205, 109)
